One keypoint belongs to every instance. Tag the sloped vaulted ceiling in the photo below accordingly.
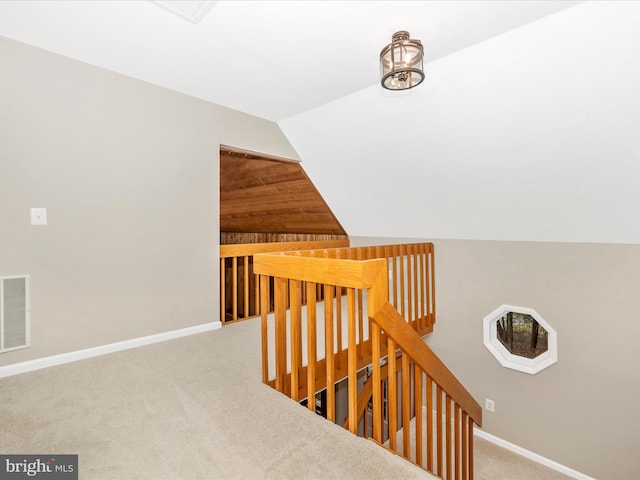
(531, 135)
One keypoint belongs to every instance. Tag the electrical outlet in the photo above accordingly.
(490, 405)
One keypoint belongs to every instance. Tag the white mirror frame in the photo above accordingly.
(516, 362)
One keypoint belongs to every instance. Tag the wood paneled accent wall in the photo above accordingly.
(233, 238)
(264, 195)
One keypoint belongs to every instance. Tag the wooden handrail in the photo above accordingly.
(391, 322)
(344, 273)
(245, 249)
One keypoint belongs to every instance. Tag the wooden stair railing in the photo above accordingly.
(449, 410)
(411, 290)
(392, 332)
(416, 445)
(239, 290)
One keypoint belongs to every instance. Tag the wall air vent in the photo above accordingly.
(191, 10)
(14, 313)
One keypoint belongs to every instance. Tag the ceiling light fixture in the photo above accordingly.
(401, 63)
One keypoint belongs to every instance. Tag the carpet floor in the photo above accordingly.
(195, 408)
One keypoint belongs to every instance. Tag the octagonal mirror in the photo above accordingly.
(520, 338)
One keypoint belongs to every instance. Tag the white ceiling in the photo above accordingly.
(270, 59)
(526, 127)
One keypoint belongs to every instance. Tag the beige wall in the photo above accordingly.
(129, 175)
(582, 411)
(251, 133)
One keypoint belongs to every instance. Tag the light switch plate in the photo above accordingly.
(38, 216)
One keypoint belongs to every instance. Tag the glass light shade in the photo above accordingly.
(401, 63)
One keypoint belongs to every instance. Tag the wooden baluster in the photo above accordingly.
(439, 429)
(360, 314)
(377, 391)
(429, 413)
(392, 394)
(352, 362)
(303, 299)
(339, 324)
(223, 293)
(465, 447)
(410, 284)
(448, 435)
(456, 443)
(433, 284)
(424, 284)
(391, 268)
(427, 288)
(234, 287)
(256, 293)
(264, 312)
(427, 280)
(245, 310)
(406, 405)
(416, 286)
(295, 337)
(280, 287)
(311, 346)
(470, 435)
(386, 254)
(329, 352)
(417, 405)
(395, 276)
(403, 300)
(337, 294)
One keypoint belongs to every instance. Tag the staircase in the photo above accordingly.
(358, 315)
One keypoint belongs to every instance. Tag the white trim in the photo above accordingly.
(516, 362)
(69, 357)
(531, 455)
(522, 451)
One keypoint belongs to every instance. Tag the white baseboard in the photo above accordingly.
(531, 455)
(524, 452)
(39, 363)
